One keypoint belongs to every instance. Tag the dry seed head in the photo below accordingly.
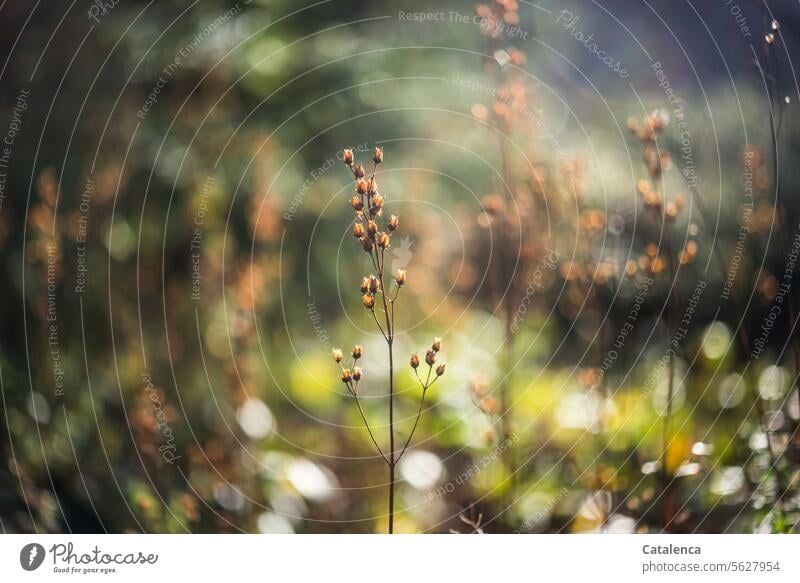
(356, 203)
(374, 284)
(356, 374)
(366, 244)
(430, 358)
(393, 223)
(361, 186)
(369, 301)
(347, 376)
(337, 355)
(377, 157)
(414, 361)
(372, 227)
(440, 369)
(358, 230)
(400, 277)
(383, 241)
(347, 157)
(365, 285)
(378, 201)
(437, 344)
(492, 204)
(357, 352)
(360, 172)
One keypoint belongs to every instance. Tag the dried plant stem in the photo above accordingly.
(392, 462)
(672, 320)
(772, 87)
(775, 106)
(505, 410)
(368, 206)
(509, 275)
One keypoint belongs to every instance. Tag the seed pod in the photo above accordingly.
(414, 361)
(347, 376)
(377, 157)
(372, 227)
(356, 203)
(358, 230)
(357, 351)
(366, 244)
(430, 358)
(361, 186)
(347, 156)
(670, 211)
(360, 172)
(437, 344)
(378, 201)
(372, 186)
(337, 355)
(393, 223)
(439, 369)
(400, 277)
(383, 240)
(374, 284)
(369, 301)
(357, 374)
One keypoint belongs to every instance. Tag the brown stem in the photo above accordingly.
(369, 430)
(392, 461)
(425, 387)
(672, 316)
(389, 336)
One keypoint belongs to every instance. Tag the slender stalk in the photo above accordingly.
(369, 430)
(389, 336)
(770, 57)
(776, 107)
(392, 462)
(672, 317)
(374, 234)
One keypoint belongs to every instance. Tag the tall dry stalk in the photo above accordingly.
(663, 214)
(374, 232)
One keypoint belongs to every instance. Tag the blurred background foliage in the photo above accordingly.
(223, 411)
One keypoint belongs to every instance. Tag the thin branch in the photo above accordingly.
(425, 386)
(379, 325)
(414, 428)
(369, 430)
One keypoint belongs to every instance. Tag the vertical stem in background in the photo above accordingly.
(672, 320)
(776, 108)
(771, 84)
(508, 276)
(505, 424)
